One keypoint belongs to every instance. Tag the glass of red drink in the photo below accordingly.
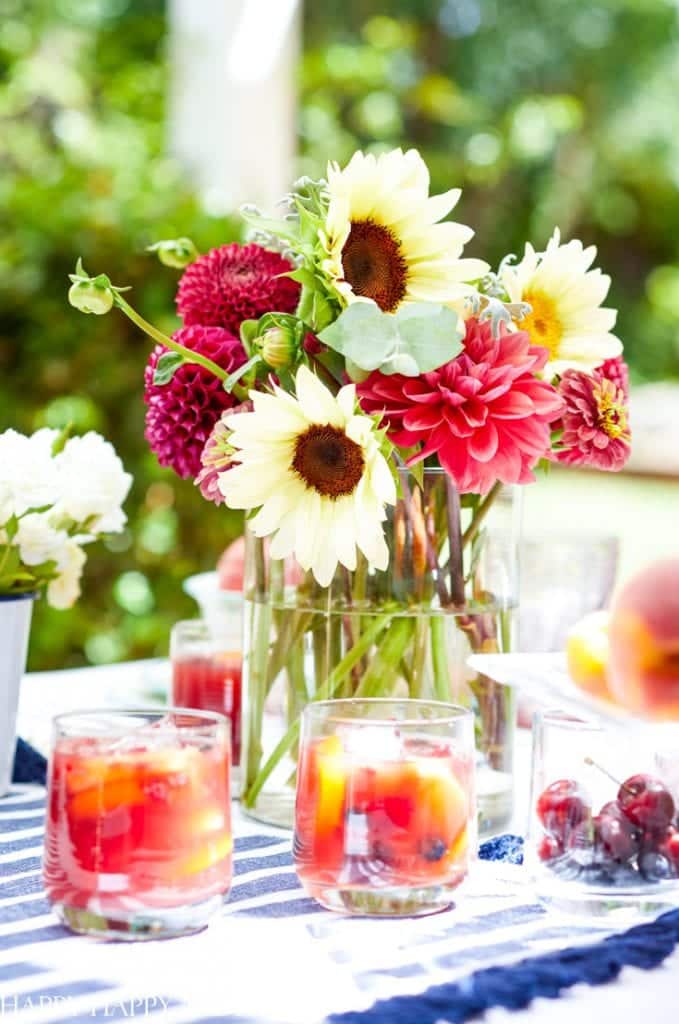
(207, 669)
(385, 820)
(138, 838)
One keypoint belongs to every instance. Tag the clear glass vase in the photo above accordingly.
(450, 590)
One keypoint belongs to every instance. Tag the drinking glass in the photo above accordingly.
(138, 837)
(385, 820)
(603, 837)
(207, 669)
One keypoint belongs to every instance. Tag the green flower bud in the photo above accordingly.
(278, 348)
(175, 252)
(90, 297)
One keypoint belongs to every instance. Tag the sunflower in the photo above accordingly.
(312, 465)
(382, 237)
(565, 296)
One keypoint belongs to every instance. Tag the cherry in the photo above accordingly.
(646, 802)
(615, 835)
(562, 807)
(549, 848)
(669, 847)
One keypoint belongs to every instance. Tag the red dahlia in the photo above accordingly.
(181, 415)
(485, 414)
(235, 283)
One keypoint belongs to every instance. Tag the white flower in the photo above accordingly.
(93, 484)
(567, 316)
(64, 591)
(38, 541)
(382, 238)
(28, 477)
(313, 467)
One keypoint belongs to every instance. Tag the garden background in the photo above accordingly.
(543, 111)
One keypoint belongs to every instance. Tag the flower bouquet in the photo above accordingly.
(370, 396)
(57, 494)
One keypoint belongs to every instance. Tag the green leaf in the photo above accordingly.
(11, 527)
(249, 330)
(167, 366)
(430, 333)
(418, 338)
(234, 377)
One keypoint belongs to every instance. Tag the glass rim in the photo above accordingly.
(199, 622)
(208, 718)
(566, 720)
(453, 712)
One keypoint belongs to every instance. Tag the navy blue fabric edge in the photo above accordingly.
(29, 764)
(515, 986)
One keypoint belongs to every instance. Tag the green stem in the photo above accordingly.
(326, 691)
(482, 511)
(419, 656)
(297, 691)
(439, 657)
(189, 355)
(382, 669)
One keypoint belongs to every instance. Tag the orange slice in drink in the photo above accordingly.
(331, 776)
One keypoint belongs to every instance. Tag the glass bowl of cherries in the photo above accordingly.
(603, 836)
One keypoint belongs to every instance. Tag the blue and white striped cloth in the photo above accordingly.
(272, 957)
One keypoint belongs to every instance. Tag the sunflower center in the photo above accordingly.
(542, 323)
(328, 461)
(374, 265)
(611, 413)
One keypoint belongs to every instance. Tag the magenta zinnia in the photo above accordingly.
(235, 283)
(181, 415)
(595, 421)
(485, 413)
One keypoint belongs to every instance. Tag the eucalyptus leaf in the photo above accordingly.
(418, 338)
(166, 367)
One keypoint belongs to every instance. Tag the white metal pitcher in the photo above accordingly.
(15, 624)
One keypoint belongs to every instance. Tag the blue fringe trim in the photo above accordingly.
(513, 987)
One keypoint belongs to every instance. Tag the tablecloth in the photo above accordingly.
(273, 957)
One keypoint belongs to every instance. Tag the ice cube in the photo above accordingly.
(143, 735)
(370, 743)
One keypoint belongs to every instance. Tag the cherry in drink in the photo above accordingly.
(385, 812)
(138, 840)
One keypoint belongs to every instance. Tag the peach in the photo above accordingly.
(644, 642)
(587, 654)
(231, 568)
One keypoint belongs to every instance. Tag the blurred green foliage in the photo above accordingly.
(544, 111)
(83, 172)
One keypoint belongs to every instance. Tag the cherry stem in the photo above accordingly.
(593, 764)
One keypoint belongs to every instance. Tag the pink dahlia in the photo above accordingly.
(617, 371)
(216, 457)
(484, 414)
(595, 421)
(181, 414)
(235, 283)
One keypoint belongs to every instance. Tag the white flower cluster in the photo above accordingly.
(54, 499)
